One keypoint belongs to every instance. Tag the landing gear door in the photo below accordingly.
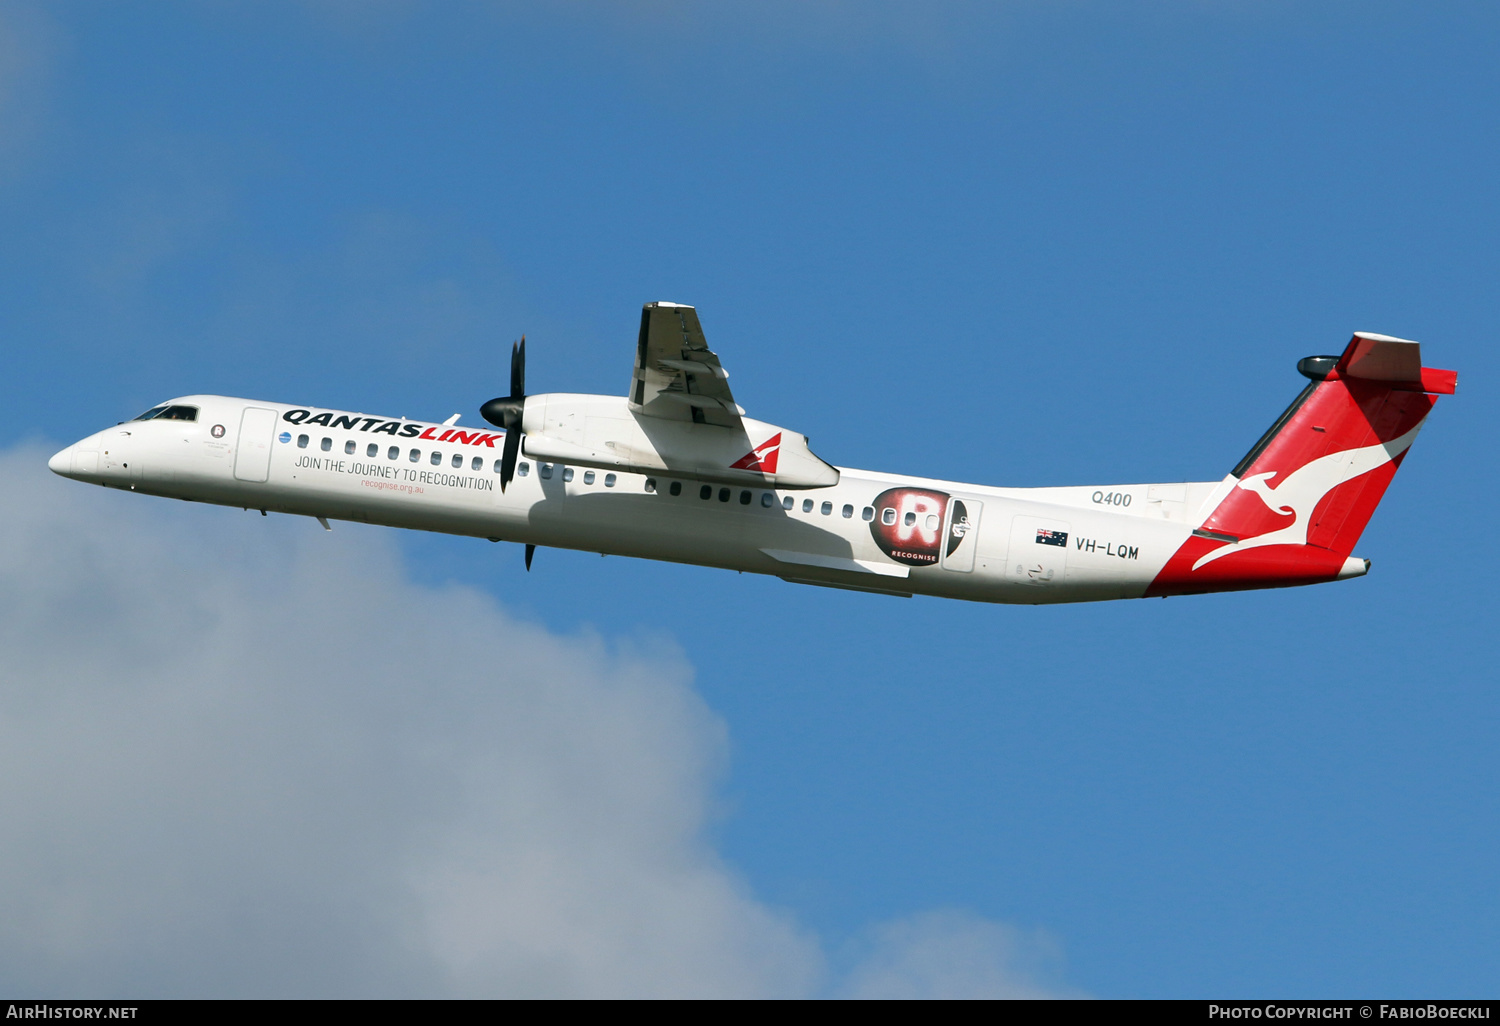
(961, 534)
(1038, 551)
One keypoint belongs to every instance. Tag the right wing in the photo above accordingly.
(677, 377)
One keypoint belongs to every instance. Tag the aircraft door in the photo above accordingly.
(961, 534)
(1038, 551)
(252, 456)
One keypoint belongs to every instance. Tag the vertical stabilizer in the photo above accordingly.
(1293, 509)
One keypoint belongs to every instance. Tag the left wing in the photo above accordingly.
(677, 377)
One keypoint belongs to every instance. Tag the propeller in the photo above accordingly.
(506, 412)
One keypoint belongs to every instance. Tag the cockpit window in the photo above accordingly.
(170, 413)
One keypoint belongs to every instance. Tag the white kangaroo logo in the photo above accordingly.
(1257, 483)
(1301, 491)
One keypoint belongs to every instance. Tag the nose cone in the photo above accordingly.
(62, 462)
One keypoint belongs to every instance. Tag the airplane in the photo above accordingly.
(674, 470)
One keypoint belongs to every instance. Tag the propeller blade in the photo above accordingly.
(518, 368)
(511, 452)
(508, 411)
(530, 551)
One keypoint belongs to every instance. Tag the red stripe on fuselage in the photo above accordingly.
(1272, 566)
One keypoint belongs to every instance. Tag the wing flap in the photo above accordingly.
(676, 376)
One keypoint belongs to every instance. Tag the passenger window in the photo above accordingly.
(437, 459)
(476, 463)
(706, 492)
(372, 450)
(567, 473)
(848, 511)
(788, 502)
(415, 456)
(767, 499)
(807, 505)
(349, 447)
(723, 494)
(827, 508)
(887, 516)
(458, 461)
(545, 469)
(609, 480)
(931, 522)
(393, 452)
(910, 518)
(867, 514)
(328, 445)
(302, 441)
(744, 498)
(675, 488)
(651, 485)
(588, 477)
(522, 470)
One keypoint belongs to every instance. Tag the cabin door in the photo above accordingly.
(252, 456)
(961, 534)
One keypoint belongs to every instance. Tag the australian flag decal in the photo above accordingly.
(1046, 537)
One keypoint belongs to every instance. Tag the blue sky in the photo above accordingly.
(1022, 243)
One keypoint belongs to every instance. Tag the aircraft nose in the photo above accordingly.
(62, 462)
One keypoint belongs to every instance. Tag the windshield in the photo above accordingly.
(170, 413)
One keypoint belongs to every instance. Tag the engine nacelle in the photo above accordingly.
(602, 431)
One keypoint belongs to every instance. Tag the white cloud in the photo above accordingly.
(949, 953)
(240, 756)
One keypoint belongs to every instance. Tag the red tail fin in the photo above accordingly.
(1293, 509)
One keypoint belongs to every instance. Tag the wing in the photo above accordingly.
(677, 377)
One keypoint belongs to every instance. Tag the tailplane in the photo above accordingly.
(1293, 509)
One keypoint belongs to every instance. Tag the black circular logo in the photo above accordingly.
(907, 523)
(218, 431)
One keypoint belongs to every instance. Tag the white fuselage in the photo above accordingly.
(870, 531)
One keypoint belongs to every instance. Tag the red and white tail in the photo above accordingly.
(1293, 509)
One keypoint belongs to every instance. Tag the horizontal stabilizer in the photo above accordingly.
(1395, 361)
